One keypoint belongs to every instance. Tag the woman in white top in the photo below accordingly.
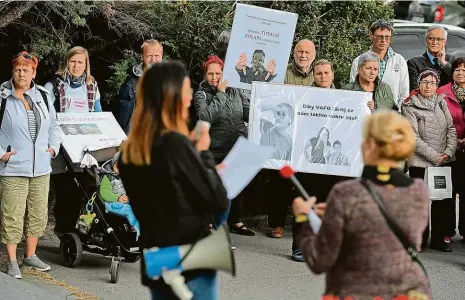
(74, 90)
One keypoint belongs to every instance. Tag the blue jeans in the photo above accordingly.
(204, 287)
(220, 219)
(124, 210)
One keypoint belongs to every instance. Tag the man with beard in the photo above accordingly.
(151, 52)
(299, 72)
(257, 72)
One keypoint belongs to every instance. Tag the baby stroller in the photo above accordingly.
(99, 231)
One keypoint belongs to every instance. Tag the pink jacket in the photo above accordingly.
(454, 108)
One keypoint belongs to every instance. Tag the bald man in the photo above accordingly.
(299, 72)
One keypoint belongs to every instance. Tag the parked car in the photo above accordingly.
(434, 11)
(409, 39)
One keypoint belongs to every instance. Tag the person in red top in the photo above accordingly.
(455, 98)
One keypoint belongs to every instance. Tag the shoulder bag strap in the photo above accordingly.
(394, 226)
(2, 110)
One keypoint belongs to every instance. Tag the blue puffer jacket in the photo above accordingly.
(32, 158)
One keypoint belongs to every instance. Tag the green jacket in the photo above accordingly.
(296, 77)
(382, 95)
(106, 191)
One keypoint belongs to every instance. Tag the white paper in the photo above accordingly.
(242, 163)
(92, 131)
(313, 130)
(314, 221)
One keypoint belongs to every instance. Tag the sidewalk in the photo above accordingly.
(16, 289)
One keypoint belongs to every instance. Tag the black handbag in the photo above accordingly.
(394, 227)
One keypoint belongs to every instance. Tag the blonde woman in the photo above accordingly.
(74, 90)
(354, 246)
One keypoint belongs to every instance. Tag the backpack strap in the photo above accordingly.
(2, 110)
(44, 96)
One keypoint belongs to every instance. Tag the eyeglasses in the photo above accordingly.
(383, 37)
(438, 39)
(426, 82)
(25, 55)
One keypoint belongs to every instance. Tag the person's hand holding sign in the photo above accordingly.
(242, 62)
(371, 104)
(271, 69)
(222, 86)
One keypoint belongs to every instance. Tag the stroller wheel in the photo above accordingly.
(71, 250)
(114, 270)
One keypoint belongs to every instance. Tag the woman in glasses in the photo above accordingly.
(73, 90)
(436, 143)
(455, 98)
(29, 138)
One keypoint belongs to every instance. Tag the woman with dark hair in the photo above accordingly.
(436, 143)
(318, 148)
(455, 98)
(227, 110)
(162, 158)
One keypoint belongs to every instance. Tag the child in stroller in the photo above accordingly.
(113, 194)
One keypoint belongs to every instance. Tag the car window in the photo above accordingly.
(455, 45)
(408, 45)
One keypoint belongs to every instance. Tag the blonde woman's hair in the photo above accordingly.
(393, 134)
(72, 52)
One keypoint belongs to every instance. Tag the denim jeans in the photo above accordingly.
(204, 287)
(220, 219)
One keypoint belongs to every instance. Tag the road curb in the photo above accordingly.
(17, 289)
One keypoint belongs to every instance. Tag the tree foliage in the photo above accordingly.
(113, 30)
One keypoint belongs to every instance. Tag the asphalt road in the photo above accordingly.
(264, 271)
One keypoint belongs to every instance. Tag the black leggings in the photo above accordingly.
(442, 214)
(69, 199)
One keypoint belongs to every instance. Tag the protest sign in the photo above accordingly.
(313, 130)
(259, 46)
(96, 130)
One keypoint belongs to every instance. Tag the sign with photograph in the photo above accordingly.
(259, 46)
(313, 130)
(93, 131)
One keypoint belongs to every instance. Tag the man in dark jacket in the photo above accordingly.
(151, 52)
(435, 57)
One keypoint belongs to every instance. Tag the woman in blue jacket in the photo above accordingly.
(29, 138)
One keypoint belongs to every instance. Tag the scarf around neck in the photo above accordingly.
(458, 92)
(428, 103)
(75, 81)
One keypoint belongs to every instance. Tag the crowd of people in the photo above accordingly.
(417, 117)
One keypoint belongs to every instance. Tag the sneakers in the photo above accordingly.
(277, 232)
(13, 270)
(36, 263)
(297, 255)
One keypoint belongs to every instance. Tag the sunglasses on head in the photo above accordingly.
(25, 55)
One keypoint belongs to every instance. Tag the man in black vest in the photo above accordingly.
(435, 57)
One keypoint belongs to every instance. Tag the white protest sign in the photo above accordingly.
(262, 39)
(314, 130)
(96, 130)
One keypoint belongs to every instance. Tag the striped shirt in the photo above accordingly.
(32, 124)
